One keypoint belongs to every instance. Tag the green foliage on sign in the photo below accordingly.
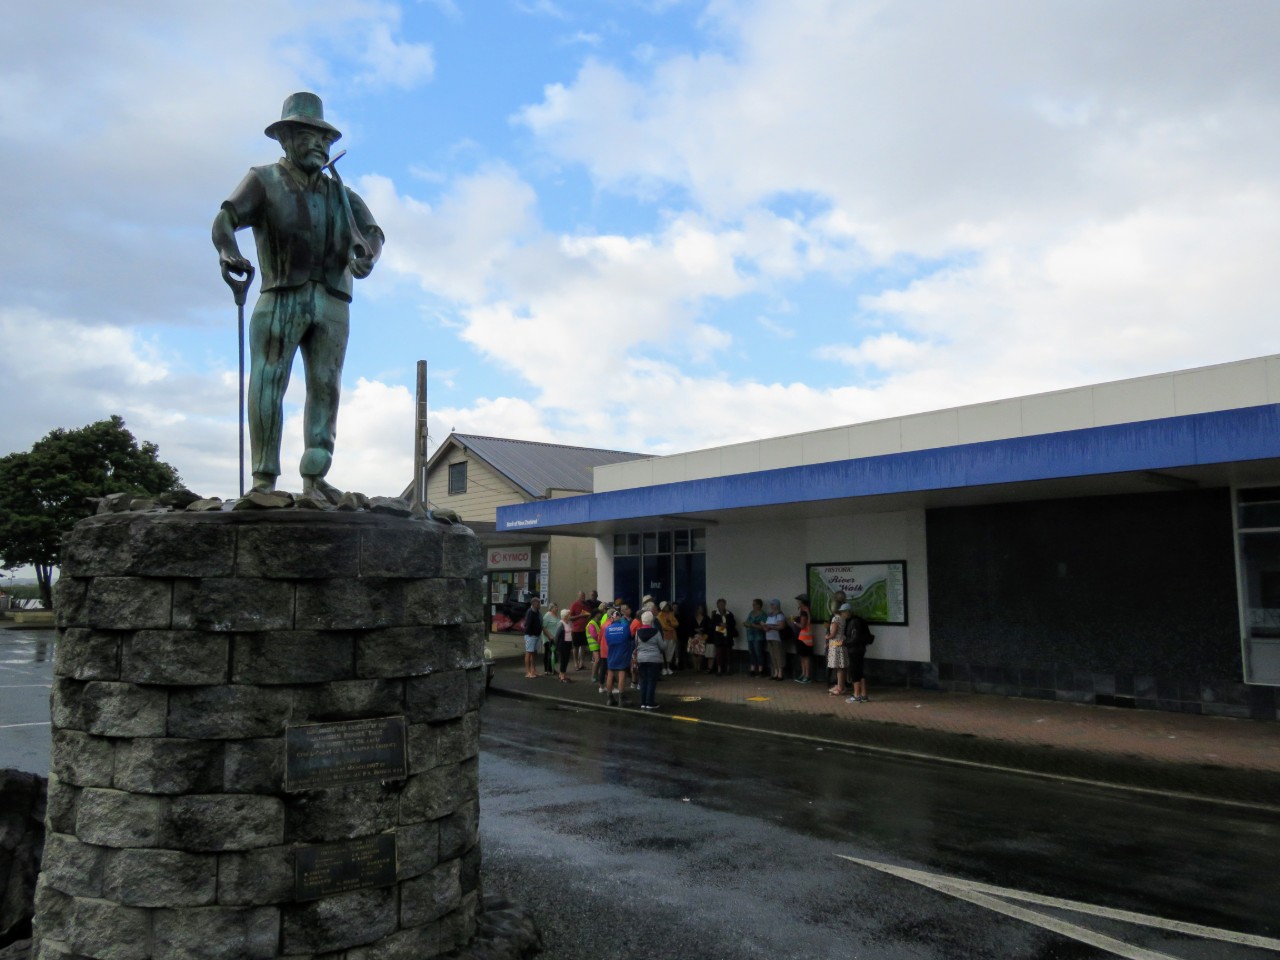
(820, 605)
(873, 605)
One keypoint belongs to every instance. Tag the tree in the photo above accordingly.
(44, 492)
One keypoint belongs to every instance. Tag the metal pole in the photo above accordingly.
(240, 290)
(420, 438)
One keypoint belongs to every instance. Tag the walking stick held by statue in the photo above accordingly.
(240, 290)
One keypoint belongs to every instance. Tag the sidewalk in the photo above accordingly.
(1217, 758)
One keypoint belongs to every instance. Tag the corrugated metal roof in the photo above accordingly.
(540, 467)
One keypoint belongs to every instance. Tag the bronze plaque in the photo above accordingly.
(351, 751)
(325, 868)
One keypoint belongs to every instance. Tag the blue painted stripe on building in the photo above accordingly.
(1223, 436)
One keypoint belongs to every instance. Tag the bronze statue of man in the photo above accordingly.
(313, 236)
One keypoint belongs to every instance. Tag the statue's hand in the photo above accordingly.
(361, 267)
(236, 265)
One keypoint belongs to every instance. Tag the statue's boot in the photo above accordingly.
(315, 464)
(318, 488)
(264, 483)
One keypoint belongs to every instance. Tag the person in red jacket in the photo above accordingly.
(579, 614)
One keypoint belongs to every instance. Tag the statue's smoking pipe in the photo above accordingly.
(359, 248)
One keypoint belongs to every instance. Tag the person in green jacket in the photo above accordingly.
(595, 627)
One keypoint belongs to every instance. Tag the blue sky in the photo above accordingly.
(651, 225)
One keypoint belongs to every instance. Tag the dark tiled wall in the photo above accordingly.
(1124, 601)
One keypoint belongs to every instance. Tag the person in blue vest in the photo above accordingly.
(617, 634)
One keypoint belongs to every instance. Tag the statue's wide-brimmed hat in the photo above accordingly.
(303, 108)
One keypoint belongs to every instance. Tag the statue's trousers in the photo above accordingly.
(310, 318)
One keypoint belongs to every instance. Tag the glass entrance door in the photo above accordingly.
(1258, 580)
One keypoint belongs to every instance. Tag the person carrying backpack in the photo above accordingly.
(857, 637)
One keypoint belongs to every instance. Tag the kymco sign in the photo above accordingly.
(518, 559)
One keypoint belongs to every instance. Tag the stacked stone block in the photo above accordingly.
(188, 643)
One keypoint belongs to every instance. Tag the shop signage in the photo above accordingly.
(876, 588)
(509, 558)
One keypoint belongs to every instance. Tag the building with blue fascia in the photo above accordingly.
(1116, 544)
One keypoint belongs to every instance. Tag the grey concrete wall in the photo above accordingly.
(188, 644)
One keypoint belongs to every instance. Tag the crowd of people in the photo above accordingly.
(619, 644)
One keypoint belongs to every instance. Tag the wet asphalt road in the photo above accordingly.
(633, 836)
(636, 836)
(26, 672)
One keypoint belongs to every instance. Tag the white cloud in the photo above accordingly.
(447, 7)
(884, 351)
(373, 452)
(922, 123)
(60, 373)
(63, 374)
(1000, 197)
(1161, 289)
(541, 8)
(523, 292)
(1099, 209)
(1098, 214)
(453, 248)
(122, 130)
(495, 417)
(393, 63)
(777, 329)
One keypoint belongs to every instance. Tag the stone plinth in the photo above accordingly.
(192, 648)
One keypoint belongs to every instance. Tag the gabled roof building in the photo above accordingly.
(474, 476)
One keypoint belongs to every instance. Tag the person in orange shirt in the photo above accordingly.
(668, 623)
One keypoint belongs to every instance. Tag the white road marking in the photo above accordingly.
(985, 895)
(11, 726)
(1054, 925)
